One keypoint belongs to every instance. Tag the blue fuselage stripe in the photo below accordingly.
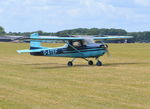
(87, 50)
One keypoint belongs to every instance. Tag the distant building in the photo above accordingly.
(8, 38)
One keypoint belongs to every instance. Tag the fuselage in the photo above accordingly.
(83, 51)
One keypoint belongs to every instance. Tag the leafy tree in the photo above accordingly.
(138, 36)
(2, 31)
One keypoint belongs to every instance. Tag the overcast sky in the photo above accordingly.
(55, 15)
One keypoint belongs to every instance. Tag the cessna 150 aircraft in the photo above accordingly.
(75, 47)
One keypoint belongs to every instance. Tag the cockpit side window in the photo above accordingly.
(76, 44)
(79, 43)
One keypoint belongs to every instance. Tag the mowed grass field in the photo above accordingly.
(29, 82)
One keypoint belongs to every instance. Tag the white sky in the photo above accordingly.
(55, 15)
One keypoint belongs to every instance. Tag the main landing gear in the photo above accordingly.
(70, 63)
(98, 63)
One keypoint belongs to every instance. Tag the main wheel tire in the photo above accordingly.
(99, 63)
(90, 62)
(70, 63)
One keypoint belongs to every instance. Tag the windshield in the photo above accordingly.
(88, 41)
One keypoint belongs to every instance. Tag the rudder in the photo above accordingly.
(34, 44)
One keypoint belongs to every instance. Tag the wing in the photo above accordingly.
(35, 37)
(54, 38)
(50, 39)
(112, 37)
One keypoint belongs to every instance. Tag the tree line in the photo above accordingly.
(138, 36)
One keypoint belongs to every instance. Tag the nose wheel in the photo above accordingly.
(99, 63)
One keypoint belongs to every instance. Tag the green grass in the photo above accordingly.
(28, 82)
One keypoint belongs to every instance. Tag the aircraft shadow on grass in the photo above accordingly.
(120, 64)
(53, 65)
(61, 66)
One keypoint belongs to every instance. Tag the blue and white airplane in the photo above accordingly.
(75, 47)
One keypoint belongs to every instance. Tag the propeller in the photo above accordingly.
(106, 48)
(107, 51)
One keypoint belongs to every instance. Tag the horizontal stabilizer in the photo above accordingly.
(30, 51)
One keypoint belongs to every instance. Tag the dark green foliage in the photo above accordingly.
(141, 36)
(2, 31)
(138, 36)
(92, 31)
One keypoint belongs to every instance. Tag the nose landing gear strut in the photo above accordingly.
(99, 63)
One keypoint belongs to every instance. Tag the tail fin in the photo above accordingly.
(34, 44)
